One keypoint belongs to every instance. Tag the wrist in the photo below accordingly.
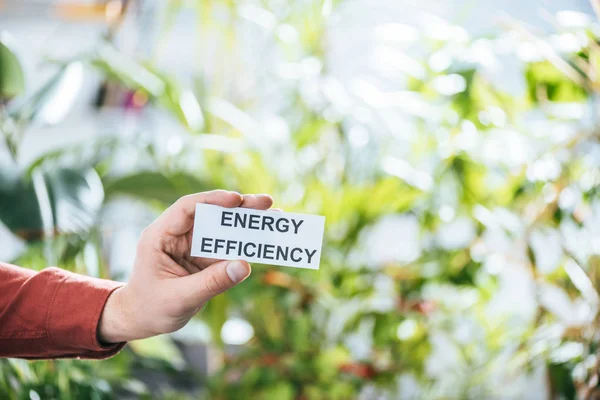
(115, 323)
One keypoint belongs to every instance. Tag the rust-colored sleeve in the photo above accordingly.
(52, 314)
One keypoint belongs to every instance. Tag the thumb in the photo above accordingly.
(216, 279)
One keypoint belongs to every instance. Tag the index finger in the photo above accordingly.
(257, 201)
(179, 217)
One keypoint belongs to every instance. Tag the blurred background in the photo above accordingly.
(452, 146)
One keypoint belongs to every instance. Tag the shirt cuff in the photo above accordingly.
(74, 314)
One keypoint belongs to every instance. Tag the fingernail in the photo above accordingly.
(237, 271)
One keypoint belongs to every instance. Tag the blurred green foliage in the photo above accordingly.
(12, 82)
(493, 181)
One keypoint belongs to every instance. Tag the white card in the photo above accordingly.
(267, 237)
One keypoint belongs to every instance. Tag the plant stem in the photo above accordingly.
(5, 121)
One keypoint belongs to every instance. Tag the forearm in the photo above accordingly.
(52, 314)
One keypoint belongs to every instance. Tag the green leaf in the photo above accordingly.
(19, 208)
(561, 382)
(544, 77)
(12, 80)
(74, 197)
(308, 132)
(92, 153)
(181, 103)
(155, 186)
(278, 391)
(50, 103)
(215, 314)
(160, 347)
(131, 73)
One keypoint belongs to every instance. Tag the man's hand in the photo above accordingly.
(168, 286)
